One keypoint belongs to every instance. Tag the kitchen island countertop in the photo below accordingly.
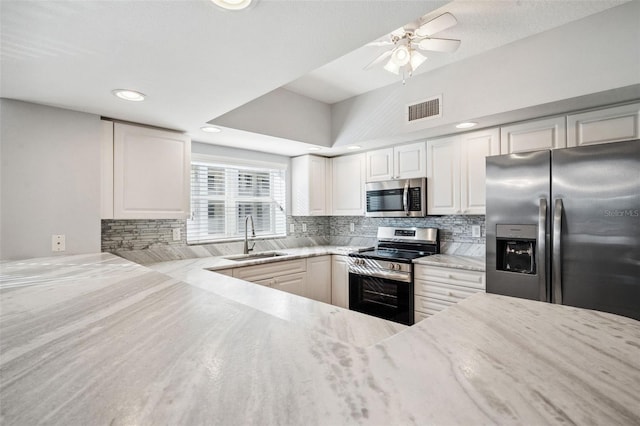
(95, 339)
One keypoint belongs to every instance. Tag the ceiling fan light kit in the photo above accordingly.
(233, 4)
(406, 41)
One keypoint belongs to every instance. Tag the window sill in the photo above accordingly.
(236, 239)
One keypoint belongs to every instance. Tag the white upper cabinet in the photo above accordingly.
(379, 165)
(549, 133)
(443, 176)
(400, 162)
(603, 126)
(151, 173)
(347, 185)
(309, 196)
(456, 172)
(474, 148)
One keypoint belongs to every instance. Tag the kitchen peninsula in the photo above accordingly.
(95, 339)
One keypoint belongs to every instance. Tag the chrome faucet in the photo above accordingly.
(253, 234)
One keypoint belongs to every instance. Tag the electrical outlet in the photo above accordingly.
(352, 227)
(292, 228)
(176, 234)
(58, 242)
(475, 231)
(304, 227)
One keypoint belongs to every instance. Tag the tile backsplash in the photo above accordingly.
(120, 236)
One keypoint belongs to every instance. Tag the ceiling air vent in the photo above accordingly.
(429, 108)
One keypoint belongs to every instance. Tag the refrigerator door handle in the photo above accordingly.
(556, 266)
(542, 251)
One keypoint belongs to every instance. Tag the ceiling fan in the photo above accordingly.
(406, 41)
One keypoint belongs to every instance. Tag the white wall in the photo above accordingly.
(595, 54)
(283, 114)
(49, 180)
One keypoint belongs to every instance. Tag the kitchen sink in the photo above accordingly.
(250, 256)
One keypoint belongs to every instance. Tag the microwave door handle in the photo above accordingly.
(405, 198)
(556, 265)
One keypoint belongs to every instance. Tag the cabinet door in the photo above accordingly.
(410, 161)
(603, 126)
(443, 176)
(293, 283)
(319, 278)
(339, 281)
(106, 170)
(474, 148)
(536, 135)
(309, 185)
(151, 173)
(379, 165)
(348, 185)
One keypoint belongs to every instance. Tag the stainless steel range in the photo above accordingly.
(381, 278)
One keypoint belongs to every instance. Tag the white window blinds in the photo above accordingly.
(223, 195)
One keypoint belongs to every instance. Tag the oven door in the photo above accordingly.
(381, 297)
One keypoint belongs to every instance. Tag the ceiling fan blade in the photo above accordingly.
(384, 55)
(439, 44)
(380, 43)
(441, 23)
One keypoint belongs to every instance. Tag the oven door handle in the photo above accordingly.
(392, 276)
(405, 198)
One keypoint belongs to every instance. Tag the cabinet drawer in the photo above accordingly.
(270, 270)
(473, 279)
(428, 305)
(441, 291)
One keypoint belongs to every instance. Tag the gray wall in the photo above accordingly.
(49, 179)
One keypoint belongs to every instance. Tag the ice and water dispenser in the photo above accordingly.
(516, 248)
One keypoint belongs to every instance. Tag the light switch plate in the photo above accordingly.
(304, 227)
(58, 242)
(352, 227)
(292, 228)
(176, 234)
(475, 231)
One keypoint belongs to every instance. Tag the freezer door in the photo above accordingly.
(518, 193)
(596, 261)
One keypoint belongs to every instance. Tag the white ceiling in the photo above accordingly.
(196, 62)
(482, 26)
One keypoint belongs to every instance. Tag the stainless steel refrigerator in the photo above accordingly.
(563, 226)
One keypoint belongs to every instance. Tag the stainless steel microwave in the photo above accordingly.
(397, 198)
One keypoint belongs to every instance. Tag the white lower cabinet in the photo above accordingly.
(340, 281)
(309, 277)
(319, 278)
(437, 288)
(291, 283)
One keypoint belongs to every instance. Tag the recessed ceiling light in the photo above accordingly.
(210, 129)
(352, 147)
(314, 148)
(466, 125)
(129, 95)
(232, 4)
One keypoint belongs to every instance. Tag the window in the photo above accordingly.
(223, 195)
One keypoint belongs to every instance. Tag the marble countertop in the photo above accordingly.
(213, 263)
(470, 263)
(95, 339)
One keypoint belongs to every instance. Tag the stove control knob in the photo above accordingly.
(392, 266)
